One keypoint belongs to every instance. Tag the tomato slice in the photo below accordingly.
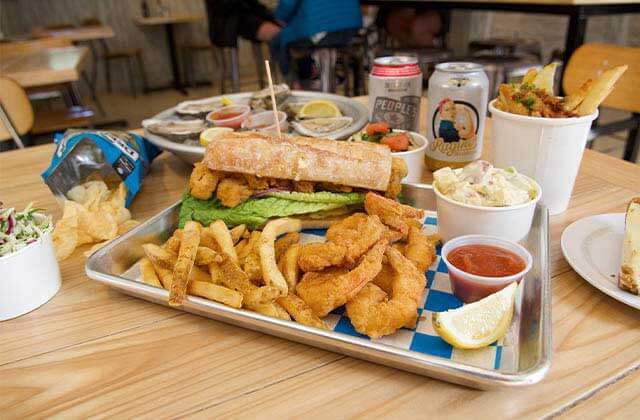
(397, 142)
(377, 127)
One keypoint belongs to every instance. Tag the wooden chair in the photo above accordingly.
(590, 60)
(17, 117)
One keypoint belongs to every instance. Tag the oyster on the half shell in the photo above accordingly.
(197, 109)
(320, 127)
(177, 129)
(262, 98)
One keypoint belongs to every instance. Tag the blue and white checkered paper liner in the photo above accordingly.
(437, 297)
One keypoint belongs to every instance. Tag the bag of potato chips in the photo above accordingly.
(81, 156)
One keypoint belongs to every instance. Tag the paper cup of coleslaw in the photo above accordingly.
(29, 276)
(548, 150)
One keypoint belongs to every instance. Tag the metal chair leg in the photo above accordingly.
(143, 74)
(259, 59)
(132, 84)
(94, 96)
(107, 74)
(6, 121)
(632, 144)
(235, 70)
(327, 61)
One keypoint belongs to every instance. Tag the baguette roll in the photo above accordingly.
(354, 164)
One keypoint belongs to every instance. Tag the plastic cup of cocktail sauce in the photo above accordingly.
(230, 116)
(469, 287)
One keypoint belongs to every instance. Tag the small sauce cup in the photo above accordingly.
(264, 121)
(230, 116)
(472, 287)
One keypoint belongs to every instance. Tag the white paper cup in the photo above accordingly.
(548, 150)
(414, 158)
(28, 278)
(457, 219)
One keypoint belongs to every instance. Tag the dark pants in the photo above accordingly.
(281, 54)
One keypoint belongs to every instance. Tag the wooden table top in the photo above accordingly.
(167, 20)
(94, 351)
(82, 33)
(45, 67)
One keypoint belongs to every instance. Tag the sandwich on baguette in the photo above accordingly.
(249, 178)
(629, 277)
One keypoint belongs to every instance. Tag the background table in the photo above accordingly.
(81, 33)
(45, 67)
(578, 11)
(94, 351)
(168, 22)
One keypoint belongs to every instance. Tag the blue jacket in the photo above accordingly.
(305, 18)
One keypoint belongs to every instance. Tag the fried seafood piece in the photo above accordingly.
(300, 311)
(384, 279)
(203, 181)
(376, 313)
(393, 214)
(233, 191)
(325, 291)
(318, 256)
(256, 183)
(398, 171)
(357, 233)
(304, 186)
(421, 248)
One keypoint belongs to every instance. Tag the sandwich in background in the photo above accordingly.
(629, 277)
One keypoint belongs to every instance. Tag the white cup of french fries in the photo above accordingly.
(544, 136)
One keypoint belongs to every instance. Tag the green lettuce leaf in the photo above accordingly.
(256, 211)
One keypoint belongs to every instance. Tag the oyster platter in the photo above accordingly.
(185, 129)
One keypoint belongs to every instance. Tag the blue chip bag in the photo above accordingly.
(84, 155)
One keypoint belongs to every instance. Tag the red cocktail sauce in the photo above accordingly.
(224, 115)
(486, 260)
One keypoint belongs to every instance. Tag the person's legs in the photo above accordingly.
(267, 31)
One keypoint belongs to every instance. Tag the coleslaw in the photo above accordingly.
(21, 228)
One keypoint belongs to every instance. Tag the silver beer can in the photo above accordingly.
(457, 96)
(395, 88)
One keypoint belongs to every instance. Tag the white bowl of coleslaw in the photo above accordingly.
(29, 273)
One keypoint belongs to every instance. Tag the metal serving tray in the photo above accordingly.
(529, 338)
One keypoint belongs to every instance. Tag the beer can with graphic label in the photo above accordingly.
(457, 97)
(395, 88)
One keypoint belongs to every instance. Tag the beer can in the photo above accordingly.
(395, 88)
(457, 96)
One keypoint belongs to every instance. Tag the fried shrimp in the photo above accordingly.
(325, 291)
(357, 233)
(393, 214)
(376, 313)
(203, 181)
(300, 311)
(398, 171)
(421, 248)
(233, 191)
(318, 256)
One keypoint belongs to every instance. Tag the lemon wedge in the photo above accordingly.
(212, 133)
(477, 324)
(319, 109)
(226, 101)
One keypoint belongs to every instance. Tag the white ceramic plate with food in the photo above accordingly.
(593, 248)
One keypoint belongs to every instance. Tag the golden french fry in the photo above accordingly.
(530, 76)
(173, 243)
(260, 295)
(252, 245)
(166, 276)
(273, 310)
(545, 77)
(301, 312)
(223, 238)
(572, 101)
(206, 256)
(215, 274)
(184, 263)
(251, 266)
(216, 293)
(148, 273)
(285, 242)
(240, 246)
(237, 233)
(288, 265)
(266, 248)
(233, 277)
(160, 257)
(600, 89)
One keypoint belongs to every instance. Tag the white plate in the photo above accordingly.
(593, 248)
